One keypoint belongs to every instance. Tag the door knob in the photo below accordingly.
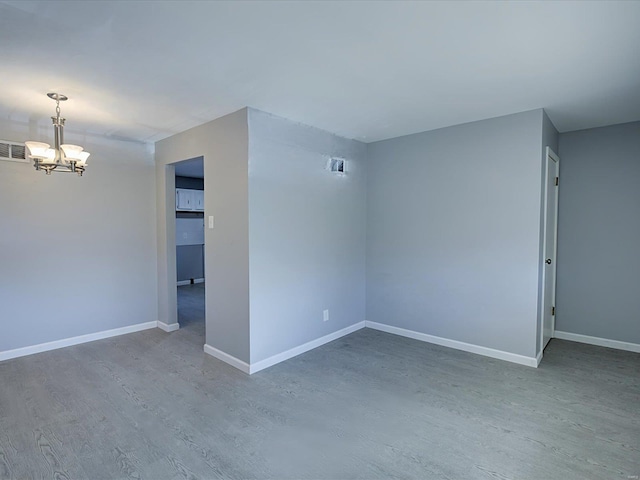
(548, 261)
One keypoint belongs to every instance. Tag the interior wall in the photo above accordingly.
(190, 183)
(453, 232)
(307, 234)
(599, 233)
(224, 144)
(77, 254)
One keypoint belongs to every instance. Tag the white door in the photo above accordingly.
(550, 247)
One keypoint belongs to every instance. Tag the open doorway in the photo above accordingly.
(190, 245)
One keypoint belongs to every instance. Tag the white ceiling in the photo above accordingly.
(143, 70)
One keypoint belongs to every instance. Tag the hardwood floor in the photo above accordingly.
(370, 405)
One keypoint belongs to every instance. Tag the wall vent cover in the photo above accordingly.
(337, 165)
(13, 152)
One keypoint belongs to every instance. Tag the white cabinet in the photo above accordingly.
(184, 199)
(189, 200)
(199, 200)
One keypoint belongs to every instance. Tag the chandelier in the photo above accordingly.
(62, 157)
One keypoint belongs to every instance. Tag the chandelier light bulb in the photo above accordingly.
(37, 149)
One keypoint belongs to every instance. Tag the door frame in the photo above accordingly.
(167, 249)
(550, 156)
(169, 195)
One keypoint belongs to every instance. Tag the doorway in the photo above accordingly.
(552, 168)
(190, 245)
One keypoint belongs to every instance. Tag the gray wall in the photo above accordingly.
(77, 255)
(224, 145)
(549, 139)
(190, 183)
(453, 232)
(599, 233)
(307, 234)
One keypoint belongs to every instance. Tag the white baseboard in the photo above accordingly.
(67, 342)
(601, 342)
(446, 342)
(281, 357)
(538, 359)
(168, 328)
(181, 283)
(226, 358)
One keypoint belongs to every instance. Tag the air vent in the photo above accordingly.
(14, 152)
(337, 165)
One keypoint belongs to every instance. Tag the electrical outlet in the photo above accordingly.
(325, 315)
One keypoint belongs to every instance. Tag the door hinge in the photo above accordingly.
(556, 181)
(553, 310)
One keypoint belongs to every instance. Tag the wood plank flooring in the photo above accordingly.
(370, 405)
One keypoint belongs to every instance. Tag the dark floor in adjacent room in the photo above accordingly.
(370, 405)
(191, 307)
